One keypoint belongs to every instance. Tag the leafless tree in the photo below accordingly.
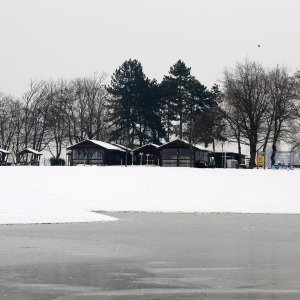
(282, 107)
(58, 118)
(86, 109)
(246, 92)
(36, 118)
(294, 124)
(10, 110)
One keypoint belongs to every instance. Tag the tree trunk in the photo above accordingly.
(252, 155)
(240, 152)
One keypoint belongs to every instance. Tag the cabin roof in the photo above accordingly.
(29, 150)
(183, 143)
(104, 145)
(147, 145)
(229, 153)
(4, 151)
(122, 147)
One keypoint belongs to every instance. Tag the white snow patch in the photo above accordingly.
(71, 194)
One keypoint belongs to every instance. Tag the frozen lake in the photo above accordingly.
(154, 256)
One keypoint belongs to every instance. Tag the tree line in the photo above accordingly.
(254, 106)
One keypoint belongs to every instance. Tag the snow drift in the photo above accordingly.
(71, 194)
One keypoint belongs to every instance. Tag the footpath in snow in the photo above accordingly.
(71, 194)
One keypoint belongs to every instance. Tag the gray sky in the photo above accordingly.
(42, 39)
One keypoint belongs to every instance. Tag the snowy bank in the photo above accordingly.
(71, 194)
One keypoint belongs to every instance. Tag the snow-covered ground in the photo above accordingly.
(71, 194)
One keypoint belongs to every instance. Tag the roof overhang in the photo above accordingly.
(97, 143)
(29, 150)
(4, 151)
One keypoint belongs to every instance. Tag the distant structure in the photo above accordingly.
(148, 154)
(3, 157)
(179, 153)
(223, 159)
(94, 152)
(28, 157)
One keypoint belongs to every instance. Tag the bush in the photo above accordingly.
(57, 161)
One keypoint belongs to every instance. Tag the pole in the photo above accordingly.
(222, 157)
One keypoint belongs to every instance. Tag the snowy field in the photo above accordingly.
(71, 194)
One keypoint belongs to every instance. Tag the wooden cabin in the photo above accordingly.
(147, 155)
(127, 156)
(3, 157)
(28, 157)
(178, 153)
(93, 152)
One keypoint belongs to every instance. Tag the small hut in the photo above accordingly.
(28, 157)
(179, 153)
(3, 157)
(147, 155)
(93, 152)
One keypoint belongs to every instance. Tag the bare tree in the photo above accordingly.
(86, 108)
(10, 110)
(294, 123)
(282, 107)
(58, 118)
(246, 92)
(36, 118)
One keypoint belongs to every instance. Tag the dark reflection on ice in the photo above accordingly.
(154, 256)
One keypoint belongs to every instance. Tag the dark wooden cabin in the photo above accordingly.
(127, 156)
(220, 158)
(28, 157)
(177, 154)
(93, 152)
(3, 157)
(147, 155)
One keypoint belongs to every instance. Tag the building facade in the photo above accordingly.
(93, 152)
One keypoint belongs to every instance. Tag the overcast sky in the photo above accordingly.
(42, 39)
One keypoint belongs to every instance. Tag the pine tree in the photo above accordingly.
(175, 94)
(134, 106)
(184, 97)
(125, 89)
(209, 124)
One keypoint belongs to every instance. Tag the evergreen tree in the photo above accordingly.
(150, 114)
(184, 98)
(209, 124)
(175, 90)
(134, 106)
(125, 89)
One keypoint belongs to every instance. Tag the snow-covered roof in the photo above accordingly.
(34, 151)
(122, 147)
(4, 151)
(150, 144)
(30, 150)
(187, 143)
(202, 148)
(99, 143)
